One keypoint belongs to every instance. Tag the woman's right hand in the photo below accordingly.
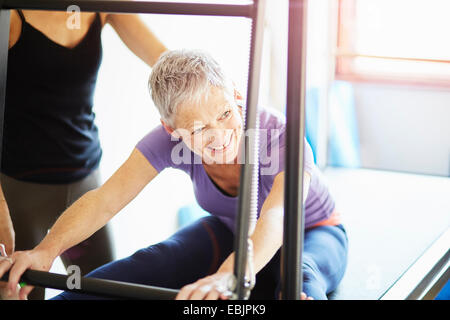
(19, 262)
(7, 235)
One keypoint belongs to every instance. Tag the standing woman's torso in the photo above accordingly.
(49, 132)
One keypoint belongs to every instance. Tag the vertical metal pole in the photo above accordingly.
(4, 41)
(291, 274)
(248, 191)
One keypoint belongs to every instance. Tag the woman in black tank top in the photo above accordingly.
(51, 149)
(49, 133)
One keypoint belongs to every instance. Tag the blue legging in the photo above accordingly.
(199, 249)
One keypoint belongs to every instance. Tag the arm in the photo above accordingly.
(77, 224)
(268, 235)
(267, 239)
(14, 28)
(87, 215)
(137, 36)
(7, 234)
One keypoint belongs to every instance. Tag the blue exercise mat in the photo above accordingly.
(444, 294)
(343, 137)
(343, 148)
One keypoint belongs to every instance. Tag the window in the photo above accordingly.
(401, 41)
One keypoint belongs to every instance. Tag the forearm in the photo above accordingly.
(137, 37)
(267, 239)
(5, 218)
(7, 234)
(268, 235)
(82, 219)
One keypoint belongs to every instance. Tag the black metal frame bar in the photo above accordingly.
(248, 197)
(292, 249)
(94, 286)
(115, 6)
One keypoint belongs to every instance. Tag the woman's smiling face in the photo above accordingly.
(212, 128)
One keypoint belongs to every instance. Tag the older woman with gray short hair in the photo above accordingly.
(201, 132)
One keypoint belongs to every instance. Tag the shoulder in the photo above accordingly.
(272, 125)
(163, 151)
(15, 27)
(157, 138)
(104, 17)
(273, 141)
(271, 118)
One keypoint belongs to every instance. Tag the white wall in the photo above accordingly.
(321, 22)
(404, 128)
(401, 128)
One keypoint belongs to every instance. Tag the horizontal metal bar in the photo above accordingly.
(111, 6)
(98, 287)
(432, 279)
(435, 287)
(348, 54)
(423, 273)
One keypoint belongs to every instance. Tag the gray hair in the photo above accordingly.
(182, 76)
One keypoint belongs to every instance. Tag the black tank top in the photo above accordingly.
(49, 132)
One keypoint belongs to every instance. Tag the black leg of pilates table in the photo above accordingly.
(248, 194)
(292, 248)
